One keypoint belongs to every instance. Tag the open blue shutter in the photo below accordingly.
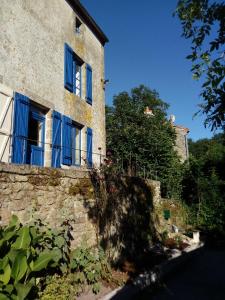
(37, 152)
(68, 68)
(74, 76)
(89, 147)
(67, 141)
(56, 139)
(20, 129)
(89, 84)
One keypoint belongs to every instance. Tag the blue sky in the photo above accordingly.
(145, 47)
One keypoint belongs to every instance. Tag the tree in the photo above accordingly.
(143, 144)
(204, 23)
(204, 182)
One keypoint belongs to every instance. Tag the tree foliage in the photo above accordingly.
(204, 182)
(204, 24)
(143, 144)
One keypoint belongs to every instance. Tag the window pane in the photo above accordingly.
(78, 80)
(35, 132)
(77, 151)
(76, 145)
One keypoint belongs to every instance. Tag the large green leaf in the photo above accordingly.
(4, 297)
(9, 288)
(14, 222)
(3, 263)
(42, 261)
(19, 267)
(5, 277)
(23, 240)
(23, 290)
(13, 253)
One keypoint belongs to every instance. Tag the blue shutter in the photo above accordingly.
(89, 147)
(67, 141)
(20, 128)
(37, 152)
(56, 139)
(68, 68)
(89, 84)
(37, 156)
(74, 76)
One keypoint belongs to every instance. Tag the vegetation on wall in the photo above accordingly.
(143, 144)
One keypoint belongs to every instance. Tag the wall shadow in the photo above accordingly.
(123, 214)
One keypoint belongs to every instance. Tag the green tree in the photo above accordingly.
(143, 144)
(204, 182)
(203, 22)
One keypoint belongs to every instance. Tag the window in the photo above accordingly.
(72, 71)
(28, 132)
(76, 145)
(77, 26)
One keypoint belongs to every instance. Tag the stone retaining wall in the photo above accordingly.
(56, 195)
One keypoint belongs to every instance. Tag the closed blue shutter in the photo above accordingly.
(67, 141)
(89, 147)
(68, 68)
(89, 84)
(56, 139)
(20, 129)
(37, 155)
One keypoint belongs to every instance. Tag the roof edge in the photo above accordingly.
(83, 13)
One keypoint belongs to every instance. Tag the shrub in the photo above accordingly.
(26, 254)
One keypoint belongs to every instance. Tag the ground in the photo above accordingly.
(203, 277)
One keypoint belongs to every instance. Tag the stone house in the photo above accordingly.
(52, 106)
(181, 143)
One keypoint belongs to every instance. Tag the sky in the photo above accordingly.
(145, 47)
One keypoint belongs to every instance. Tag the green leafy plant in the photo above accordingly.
(25, 253)
(60, 288)
(90, 266)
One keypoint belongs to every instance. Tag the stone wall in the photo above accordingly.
(49, 194)
(119, 209)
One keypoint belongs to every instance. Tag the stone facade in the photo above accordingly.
(181, 145)
(32, 35)
(56, 195)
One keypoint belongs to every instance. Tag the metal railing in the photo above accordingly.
(130, 167)
(6, 154)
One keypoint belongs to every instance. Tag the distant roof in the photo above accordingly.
(182, 128)
(82, 12)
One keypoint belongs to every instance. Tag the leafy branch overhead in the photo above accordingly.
(203, 22)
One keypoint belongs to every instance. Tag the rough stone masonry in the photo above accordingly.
(56, 195)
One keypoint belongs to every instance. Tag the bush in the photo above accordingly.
(25, 253)
(36, 261)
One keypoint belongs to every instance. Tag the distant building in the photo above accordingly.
(181, 142)
(52, 102)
